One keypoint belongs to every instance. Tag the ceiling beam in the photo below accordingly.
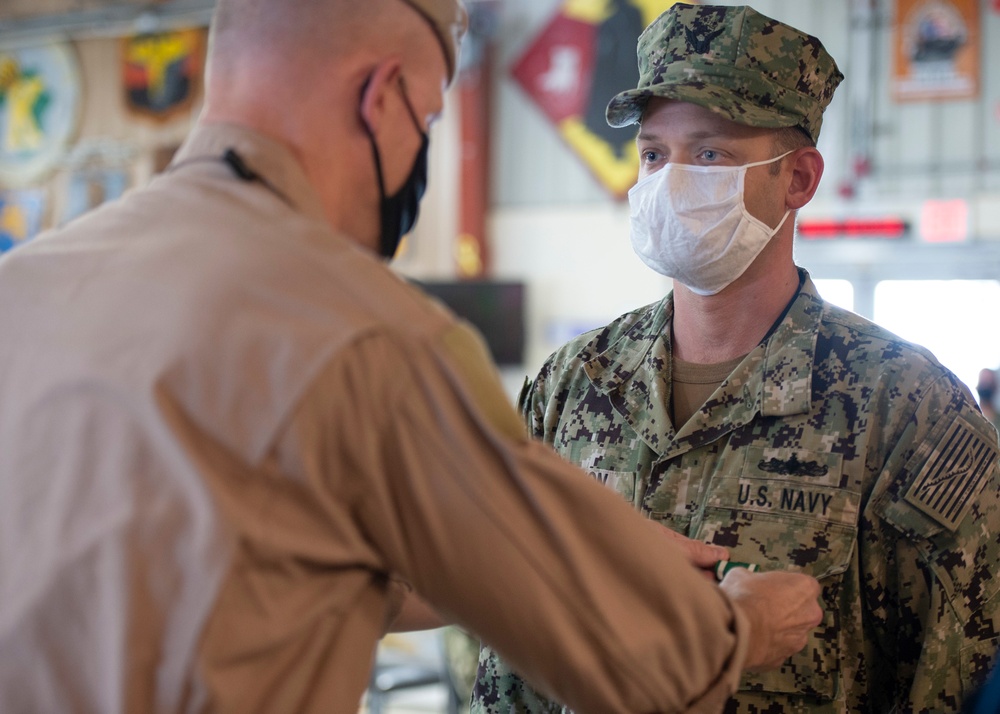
(64, 19)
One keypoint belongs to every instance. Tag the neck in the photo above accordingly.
(716, 328)
(330, 157)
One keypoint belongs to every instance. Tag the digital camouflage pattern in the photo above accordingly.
(836, 449)
(743, 65)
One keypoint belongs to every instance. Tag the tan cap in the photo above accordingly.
(449, 20)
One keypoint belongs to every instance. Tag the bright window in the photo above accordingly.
(957, 320)
(839, 292)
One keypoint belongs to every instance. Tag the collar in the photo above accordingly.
(775, 379)
(271, 160)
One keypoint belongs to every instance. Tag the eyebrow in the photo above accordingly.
(696, 136)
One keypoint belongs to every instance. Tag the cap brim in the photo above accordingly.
(627, 107)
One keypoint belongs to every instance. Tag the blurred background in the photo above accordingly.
(524, 229)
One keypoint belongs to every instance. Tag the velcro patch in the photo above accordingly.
(952, 476)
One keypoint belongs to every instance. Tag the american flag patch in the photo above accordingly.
(952, 476)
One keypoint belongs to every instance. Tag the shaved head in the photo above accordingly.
(310, 33)
(340, 83)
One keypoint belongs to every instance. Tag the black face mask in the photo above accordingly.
(985, 395)
(399, 211)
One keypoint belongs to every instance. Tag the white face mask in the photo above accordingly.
(691, 224)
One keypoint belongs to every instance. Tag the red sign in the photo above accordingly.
(944, 221)
(878, 228)
(580, 60)
(556, 70)
(583, 57)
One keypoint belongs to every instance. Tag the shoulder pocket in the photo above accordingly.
(946, 500)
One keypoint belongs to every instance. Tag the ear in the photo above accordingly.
(375, 90)
(807, 170)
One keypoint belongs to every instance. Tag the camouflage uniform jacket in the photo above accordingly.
(835, 448)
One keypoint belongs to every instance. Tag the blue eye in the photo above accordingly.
(709, 155)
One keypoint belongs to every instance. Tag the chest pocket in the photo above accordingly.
(824, 551)
(788, 510)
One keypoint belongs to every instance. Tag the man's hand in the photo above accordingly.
(782, 609)
(701, 555)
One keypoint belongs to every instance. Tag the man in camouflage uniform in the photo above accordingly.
(759, 417)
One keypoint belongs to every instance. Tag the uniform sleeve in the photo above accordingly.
(581, 594)
(931, 541)
(498, 688)
(530, 403)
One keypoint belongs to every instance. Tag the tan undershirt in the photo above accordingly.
(692, 384)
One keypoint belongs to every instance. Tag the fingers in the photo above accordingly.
(700, 555)
(782, 609)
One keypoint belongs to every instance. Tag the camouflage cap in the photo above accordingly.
(449, 20)
(738, 63)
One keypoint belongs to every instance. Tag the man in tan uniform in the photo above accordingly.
(227, 428)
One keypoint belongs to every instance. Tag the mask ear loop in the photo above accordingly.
(371, 136)
(765, 162)
(409, 107)
(772, 232)
(385, 242)
(788, 211)
(388, 241)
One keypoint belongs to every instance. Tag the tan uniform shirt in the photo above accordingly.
(224, 428)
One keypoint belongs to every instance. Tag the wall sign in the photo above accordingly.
(944, 221)
(582, 58)
(89, 188)
(20, 216)
(162, 72)
(39, 110)
(936, 49)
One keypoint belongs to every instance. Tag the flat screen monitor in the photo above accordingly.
(496, 308)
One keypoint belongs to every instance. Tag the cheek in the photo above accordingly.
(758, 183)
(761, 194)
(753, 196)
